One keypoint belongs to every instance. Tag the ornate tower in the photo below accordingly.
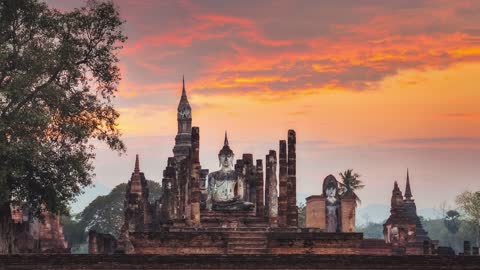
(411, 212)
(183, 140)
(137, 214)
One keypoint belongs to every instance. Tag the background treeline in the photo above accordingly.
(436, 229)
(104, 215)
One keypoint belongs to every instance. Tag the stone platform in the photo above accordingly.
(254, 240)
(74, 262)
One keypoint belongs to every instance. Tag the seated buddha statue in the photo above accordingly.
(226, 186)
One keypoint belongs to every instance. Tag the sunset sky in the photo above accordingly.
(376, 86)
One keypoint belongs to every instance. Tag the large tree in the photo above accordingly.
(58, 75)
(469, 203)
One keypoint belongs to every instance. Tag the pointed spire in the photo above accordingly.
(137, 165)
(184, 93)
(136, 180)
(226, 148)
(408, 191)
(395, 187)
(225, 142)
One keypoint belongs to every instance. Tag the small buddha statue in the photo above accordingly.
(332, 203)
(226, 186)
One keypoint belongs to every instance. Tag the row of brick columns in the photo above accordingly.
(287, 214)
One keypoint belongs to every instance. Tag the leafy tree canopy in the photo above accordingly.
(452, 221)
(58, 76)
(351, 182)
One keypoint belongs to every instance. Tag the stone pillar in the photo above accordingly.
(347, 207)
(259, 186)
(272, 189)
(466, 248)
(184, 185)
(195, 177)
(315, 212)
(292, 211)
(282, 178)
(92, 243)
(267, 185)
(170, 192)
(249, 172)
(203, 188)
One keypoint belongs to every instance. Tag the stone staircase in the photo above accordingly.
(232, 219)
(247, 242)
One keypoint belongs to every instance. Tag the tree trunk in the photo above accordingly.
(478, 232)
(7, 231)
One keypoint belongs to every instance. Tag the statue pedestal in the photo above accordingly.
(232, 206)
(232, 219)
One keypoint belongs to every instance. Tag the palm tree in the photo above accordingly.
(351, 183)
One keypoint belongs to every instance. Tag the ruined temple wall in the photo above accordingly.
(314, 243)
(168, 243)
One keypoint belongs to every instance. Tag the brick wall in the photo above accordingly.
(74, 262)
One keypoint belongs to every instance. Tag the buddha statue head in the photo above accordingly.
(225, 156)
(330, 189)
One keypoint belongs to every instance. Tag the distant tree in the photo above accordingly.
(452, 221)
(72, 230)
(58, 77)
(351, 182)
(105, 214)
(469, 202)
(302, 215)
(372, 230)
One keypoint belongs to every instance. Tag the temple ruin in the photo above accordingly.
(249, 206)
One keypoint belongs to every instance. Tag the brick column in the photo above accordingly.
(267, 185)
(292, 211)
(195, 178)
(259, 186)
(272, 188)
(248, 170)
(282, 178)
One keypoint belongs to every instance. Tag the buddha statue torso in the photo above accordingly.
(226, 186)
